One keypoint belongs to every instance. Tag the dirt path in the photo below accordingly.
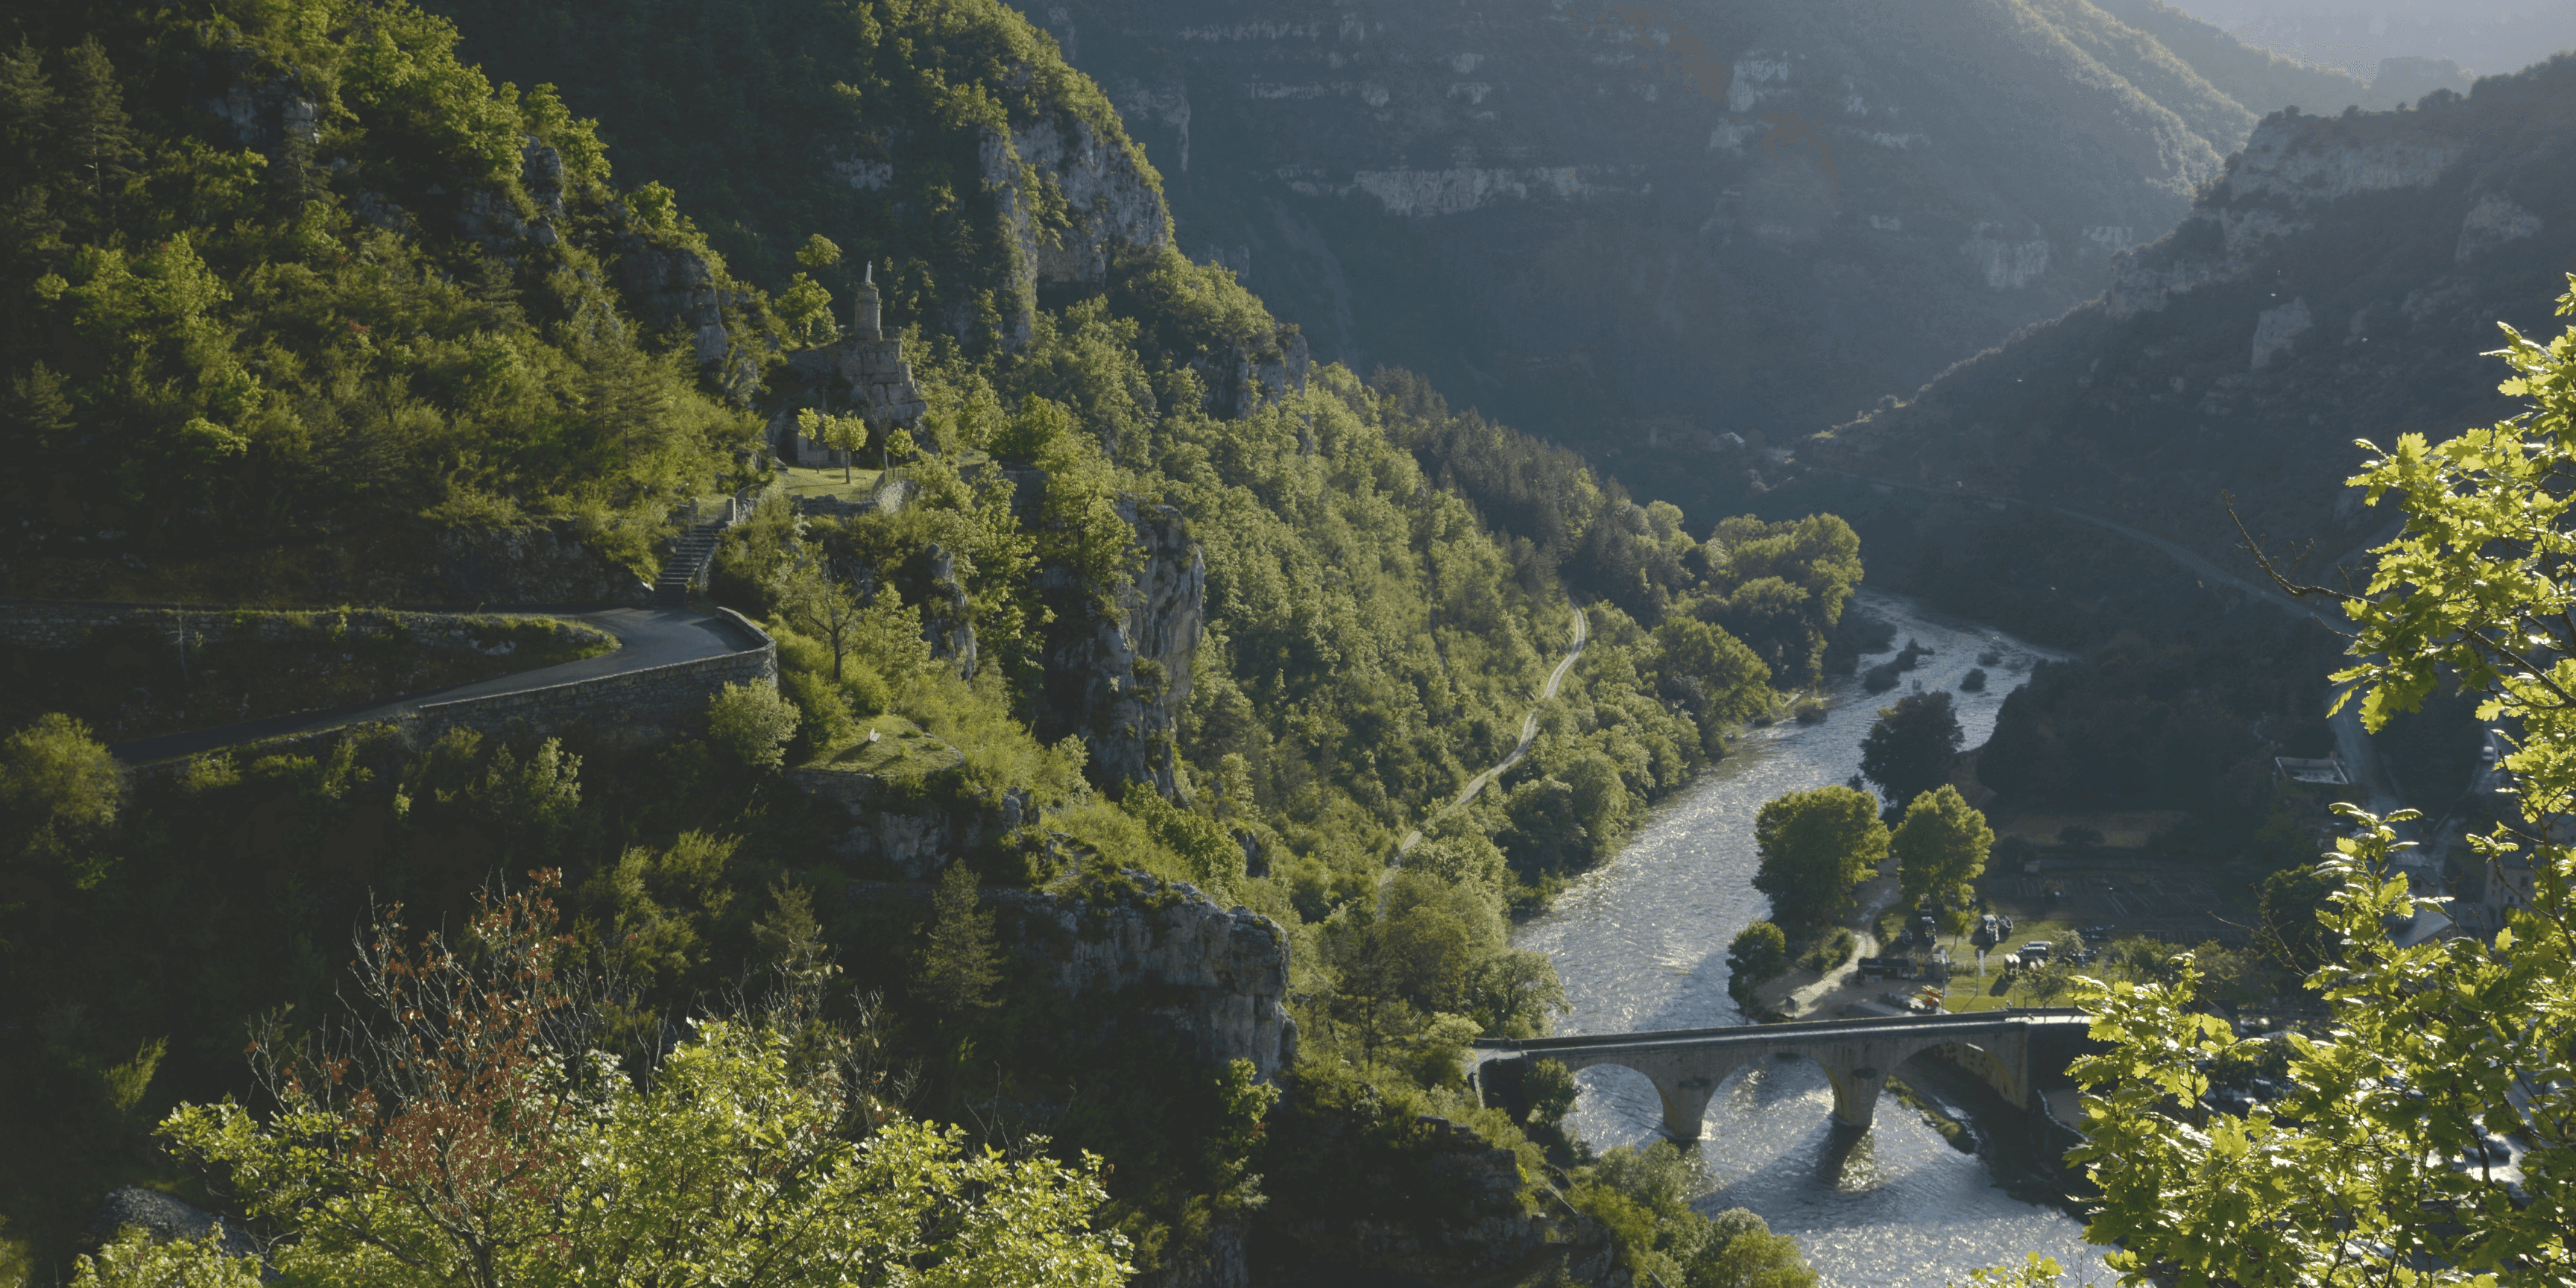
(1529, 732)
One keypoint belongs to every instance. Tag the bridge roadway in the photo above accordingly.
(1688, 1065)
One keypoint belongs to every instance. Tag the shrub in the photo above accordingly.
(751, 723)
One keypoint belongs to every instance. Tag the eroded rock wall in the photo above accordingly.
(1214, 979)
(1120, 677)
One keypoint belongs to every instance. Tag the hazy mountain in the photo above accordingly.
(2487, 35)
(2340, 282)
(1639, 227)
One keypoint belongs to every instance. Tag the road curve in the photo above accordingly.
(1529, 732)
(646, 638)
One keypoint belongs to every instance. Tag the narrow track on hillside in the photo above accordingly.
(1529, 732)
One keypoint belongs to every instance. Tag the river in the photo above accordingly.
(1641, 944)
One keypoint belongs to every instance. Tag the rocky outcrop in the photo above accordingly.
(543, 563)
(1119, 678)
(1214, 980)
(1250, 381)
(913, 831)
(1109, 205)
(165, 1218)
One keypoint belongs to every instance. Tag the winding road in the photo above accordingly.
(646, 638)
(1529, 732)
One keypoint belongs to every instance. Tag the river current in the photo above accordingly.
(1641, 944)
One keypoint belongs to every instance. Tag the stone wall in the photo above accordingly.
(630, 709)
(70, 625)
(625, 710)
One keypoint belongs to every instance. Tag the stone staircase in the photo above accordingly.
(695, 553)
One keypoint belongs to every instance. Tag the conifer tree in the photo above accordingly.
(958, 964)
(91, 126)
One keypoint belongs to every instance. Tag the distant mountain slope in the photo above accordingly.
(2263, 81)
(2339, 283)
(1635, 227)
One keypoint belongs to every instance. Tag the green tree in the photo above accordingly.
(820, 605)
(1759, 955)
(752, 724)
(135, 1259)
(1742, 1252)
(1815, 845)
(2291, 930)
(819, 252)
(1940, 848)
(960, 959)
(847, 435)
(1908, 752)
(449, 1135)
(2350, 1178)
(1645, 1197)
(59, 788)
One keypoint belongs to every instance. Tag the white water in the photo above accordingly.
(1641, 945)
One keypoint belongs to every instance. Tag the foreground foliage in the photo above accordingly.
(458, 1131)
(2374, 1168)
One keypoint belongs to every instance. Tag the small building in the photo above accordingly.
(2322, 773)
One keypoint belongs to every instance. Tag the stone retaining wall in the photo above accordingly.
(631, 709)
(70, 625)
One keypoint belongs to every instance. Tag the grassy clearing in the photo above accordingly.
(890, 746)
(801, 482)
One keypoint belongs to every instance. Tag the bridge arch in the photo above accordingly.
(1686, 1067)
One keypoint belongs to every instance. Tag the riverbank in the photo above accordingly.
(1640, 943)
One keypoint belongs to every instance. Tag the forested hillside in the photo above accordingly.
(296, 289)
(1637, 228)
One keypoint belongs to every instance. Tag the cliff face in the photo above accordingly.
(1637, 226)
(2340, 282)
(1108, 206)
(1121, 678)
(1215, 980)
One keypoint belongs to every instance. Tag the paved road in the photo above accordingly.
(646, 638)
(1529, 732)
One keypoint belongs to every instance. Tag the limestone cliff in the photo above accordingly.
(1105, 203)
(1214, 980)
(1637, 227)
(2339, 281)
(1120, 676)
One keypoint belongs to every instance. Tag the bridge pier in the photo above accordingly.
(1856, 1091)
(1686, 1103)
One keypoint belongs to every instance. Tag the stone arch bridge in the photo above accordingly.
(2010, 1049)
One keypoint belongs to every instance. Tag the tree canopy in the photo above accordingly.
(1909, 751)
(2373, 1168)
(1940, 848)
(459, 1130)
(1815, 845)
